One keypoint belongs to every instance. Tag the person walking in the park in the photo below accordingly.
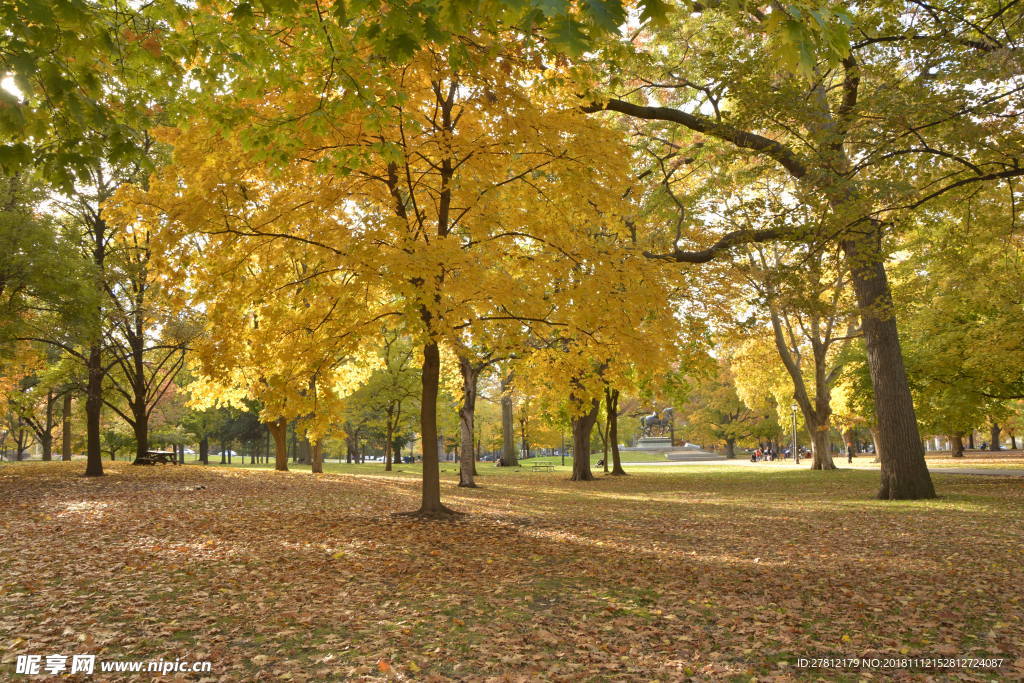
(849, 451)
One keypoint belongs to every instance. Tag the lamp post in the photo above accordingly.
(796, 453)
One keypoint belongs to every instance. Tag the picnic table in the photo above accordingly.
(542, 466)
(154, 457)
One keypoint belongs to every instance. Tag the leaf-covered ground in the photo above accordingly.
(703, 572)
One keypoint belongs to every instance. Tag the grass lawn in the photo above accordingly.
(713, 572)
(332, 465)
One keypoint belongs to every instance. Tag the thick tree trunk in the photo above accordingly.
(141, 430)
(21, 443)
(995, 434)
(904, 472)
(204, 450)
(956, 442)
(388, 437)
(970, 439)
(822, 459)
(612, 404)
(508, 447)
(430, 505)
(467, 412)
(1013, 441)
(278, 429)
(93, 405)
(730, 447)
(46, 438)
(65, 428)
(581, 429)
(316, 459)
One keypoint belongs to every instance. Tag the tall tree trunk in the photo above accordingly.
(904, 472)
(524, 442)
(388, 436)
(816, 414)
(612, 403)
(956, 442)
(141, 430)
(582, 425)
(602, 432)
(822, 458)
(1013, 441)
(431, 501)
(995, 433)
(46, 438)
(316, 457)
(204, 450)
(508, 448)
(730, 447)
(65, 427)
(21, 442)
(467, 413)
(93, 405)
(278, 429)
(970, 439)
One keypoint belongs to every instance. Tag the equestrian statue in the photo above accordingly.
(656, 424)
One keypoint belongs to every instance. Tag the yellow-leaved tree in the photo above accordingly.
(438, 209)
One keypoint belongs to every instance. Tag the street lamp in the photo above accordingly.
(796, 453)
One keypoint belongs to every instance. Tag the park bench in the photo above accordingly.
(154, 457)
(542, 466)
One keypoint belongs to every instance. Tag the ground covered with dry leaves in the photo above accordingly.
(699, 572)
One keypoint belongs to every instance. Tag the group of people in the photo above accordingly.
(768, 453)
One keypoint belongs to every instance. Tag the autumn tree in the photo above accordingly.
(714, 411)
(904, 96)
(444, 179)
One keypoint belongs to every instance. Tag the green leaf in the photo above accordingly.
(340, 11)
(567, 33)
(553, 8)
(14, 156)
(242, 13)
(654, 11)
(606, 14)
